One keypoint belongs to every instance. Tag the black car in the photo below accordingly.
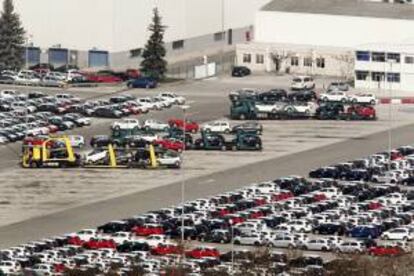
(36, 95)
(50, 107)
(132, 246)
(408, 181)
(217, 236)
(106, 112)
(329, 229)
(357, 175)
(240, 71)
(326, 172)
(302, 96)
(329, 111)
(243, 94)
(273, 95)
(99, 141)
(251, 127)
(114, 226)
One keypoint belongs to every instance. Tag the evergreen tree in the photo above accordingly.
(153, 64)
(12, 38)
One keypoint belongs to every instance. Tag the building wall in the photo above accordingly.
(336, 61)
(329, 30)
(117, 26)
(405, 71)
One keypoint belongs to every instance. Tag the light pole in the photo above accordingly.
(222, 36)
(232, 246)
(390, 80)
(184, 108)
(27, 38)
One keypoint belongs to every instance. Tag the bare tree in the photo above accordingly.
(347, 65)
(278, 57)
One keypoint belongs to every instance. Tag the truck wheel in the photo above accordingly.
(234, 148)
(223, 147)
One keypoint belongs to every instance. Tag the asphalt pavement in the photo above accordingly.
(91, 215)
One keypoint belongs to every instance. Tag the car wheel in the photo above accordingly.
(325, 99)
(304, 247)
(290, 246)
(256, 243)
(386, 237)
(234, 147)
(242, 117)
(316, 232)
(147, 128)
(223, 147)
(372, 102)
(166, 129)
(324, 249)
(227, 131)
(237, 242)
(222, 241)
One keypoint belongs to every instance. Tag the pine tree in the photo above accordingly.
(153, 64)
(12, 38)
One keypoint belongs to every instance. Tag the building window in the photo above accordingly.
(377, 76)
(219, 36)
(409, 60)
(294, 61)
(32, 54)
(135, 52)
(361, 75)
(259, 59)
(179, 44)
(363, 56)
(247, 58)
(320, 62)
(307, 62)
(58, 57)
(394, 56)
(393, 77)
(98, 58)
(378, 56)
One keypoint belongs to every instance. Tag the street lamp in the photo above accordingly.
(390, 79)
(232, 246)
(184, 108)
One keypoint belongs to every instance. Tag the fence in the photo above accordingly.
(187, 69)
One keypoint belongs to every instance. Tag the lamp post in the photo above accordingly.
(232, 246)
(390, 79)
(184, 108)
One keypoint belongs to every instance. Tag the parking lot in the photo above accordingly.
(47, 202)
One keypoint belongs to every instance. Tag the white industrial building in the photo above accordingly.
(112, 33)
(322, 36)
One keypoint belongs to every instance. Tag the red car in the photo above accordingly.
(165, 249)
(260, 201)
(148, 229)
(319, 197)
(103, 78)
(366, 112)
(170, 144)
(282, 196)
(99, 243)
(202, 251)
(374, 206)
(75, 240)
(255, 214)
(385, 251)
(190, 126)
(235, 219)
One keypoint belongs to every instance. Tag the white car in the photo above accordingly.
(249, 239)
(363, 98)
(27, 80)
(306, 108)
(121, 237)
(174, 98)
(95, 156)
(8, 94)
(86, 234)
(317, 244)
(334, 96)
(77, 141)
(68, 97)
(10, 267)
(155, 125)
(248, 228)
(23, 106)
(284, 241)
(270, 107)
(147, 102)
(350, 247)
(163, 102)
(147, 137)
(43, 269)
(387, 177)
(217, 126)
(398, 234)
(169, 159)
(154, 240)
(302, 83)
(56, 75)
(300, 226)
(127, 124)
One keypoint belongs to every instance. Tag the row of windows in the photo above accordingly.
(381, 57)
(247, 58)
(59, 57)
(308, 62)
(377, 76)
(294, 61)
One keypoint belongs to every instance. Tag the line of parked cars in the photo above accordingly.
(326, 213)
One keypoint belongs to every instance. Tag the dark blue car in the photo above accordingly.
(371, 232)
(143, 82)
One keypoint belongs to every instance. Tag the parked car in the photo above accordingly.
(302, 83)
(143, 82)
(240, 71)
(217, 127)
